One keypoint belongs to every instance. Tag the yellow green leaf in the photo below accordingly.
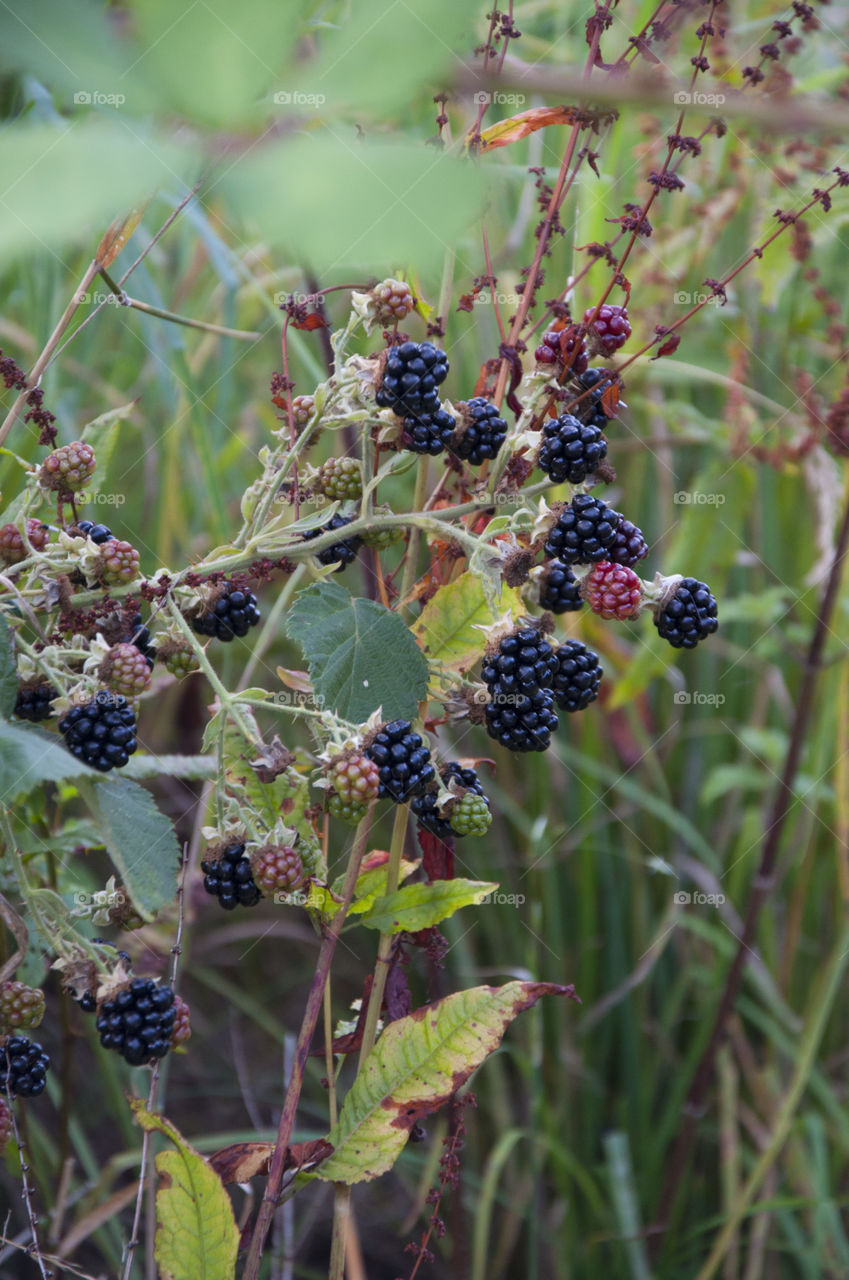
(418, 906)
(448, 626)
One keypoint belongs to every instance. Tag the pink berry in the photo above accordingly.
(612, 590)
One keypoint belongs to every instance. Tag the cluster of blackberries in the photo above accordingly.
(138, 1021)
(23, 1067)
(403, 761)
(98, 533)
(33, 701)
(340, 553)
(233, 614)
(229, 878)
(520, 713)
(467, 815)
(101, 732)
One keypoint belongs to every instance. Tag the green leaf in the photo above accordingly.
(418, 906)
(8, 673)
(30, 756)
(287, 797)
(196, 1233)
(361, 656)
(140, 840)
(731, 777)
(371, 884)
(102, 434)
(447, 628)
(418, 1063)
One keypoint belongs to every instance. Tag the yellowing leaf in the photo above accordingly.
(117, 236)
(447, 628)
(418, 1063)
(196, 1233)
(519, 126)
(418, 906)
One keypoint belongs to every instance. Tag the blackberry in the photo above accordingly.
(629, 545)
(67, 469)
(119, 561)
(583, 532)
(578, 676)
(23, 1067)
(481, 433)
(277, 869)
(427, 813)
(570, 450)
(33, 701)
(101, 732)
(590, 409)
(98, 533)
(411, 375)
(564, 349)
(610, 329)
(138, 1021)
(689, 616)
(471, 815)
(179, 658)
(6, 1126)
(182, 1023)
(340, 479)
(20, 1006)
(523, 663)
(340, 553)
(229, 878)
(520, 722)
(140, 637)
(403, 761)
(393, 300)
(428, 432)
(559, 591)
(125, 670)
(355, 781)
(303, 407)
(613, 591)
(13, 549)
(233, 614)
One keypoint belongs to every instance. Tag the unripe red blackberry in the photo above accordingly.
(182, 1023)
(629, 545)
(12, 547)
(564, 350)
(355, 780)
(339, 479)
(119, 561)
(612, 590)
(303, 407)
(68, 469)
(393, 300)
(277, 869)
(6, 1126)
(610, 329)
(125, 670)
(20, 1006)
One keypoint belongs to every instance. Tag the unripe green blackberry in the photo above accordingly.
(393, 300)
(355, 778)
(340, 479)
(345, 810)
(179, 659)
(471, 815)
(68, 468)
(6, 1127)
(119, 562)
(20, 1006)
(380, 539)
(277, 869)
(125, 670)
(12, 546)
(182, 1023)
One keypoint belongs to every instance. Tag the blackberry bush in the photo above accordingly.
(228, 876)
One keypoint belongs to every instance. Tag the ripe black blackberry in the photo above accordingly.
(233, 614)
(33, 701)
(139, 635)
(559, 590)
(523, 663)
(583, 532)
(411, 375)
(521, 722)
(403, 761)
(23, 1066)
(340, 553)
(629, 546)
(428, 432)
(102, 732)
(578, 676)
(98, 533)
(424, 806)
(689, 616)
(570, 450)
(589, 409)
(229, 878)
(138, 1021)
(481, 433)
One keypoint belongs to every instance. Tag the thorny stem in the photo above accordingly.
(308, 1026)
(226, 698)
(762, 885)
(34, 1249)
